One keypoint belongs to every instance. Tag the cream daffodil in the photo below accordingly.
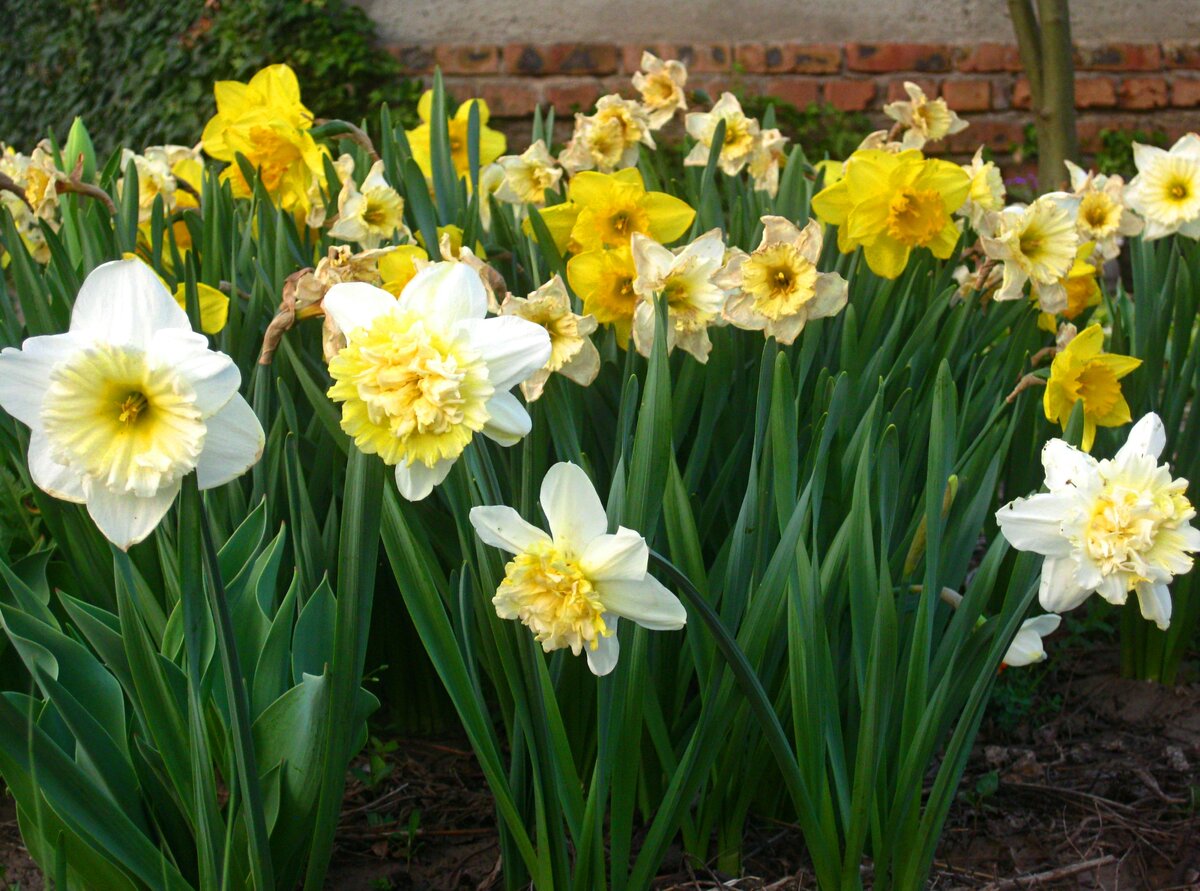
(572, 353)
(154, 179)
(1166, 190)
(685, 279)
(570, 587)
(766, 159)
(986, 194)
(1109, 527)
(421, 374)
(343, 169)
(372, 214)
(924, 119)
(608, 139)
(660, 84)
(127, 403)
(528, 176)
(1026, 648)
(1100, 212)
(777, 288)
(741, 133)
(1036, 244)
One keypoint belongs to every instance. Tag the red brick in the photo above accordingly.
(1143, 92)
(850, 95)
(891, 57)
(1000, 135)
(967, 95)
(571, 94)
(507, 97)
(1185, 92)
(480, 59)
(751, 57)
(700, 58)
(1118, 57)
(1181, 53)
(1090, 92)
(798, 91)
(413, 59)
(715, 85)
(987, 57)
(810, 58)
(897, 93)
(560, 58)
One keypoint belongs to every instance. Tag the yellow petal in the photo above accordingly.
(1119, 365)
(669, 217)
(832, 203)
(887, 257)
(214, 306)
(463, 112)
(425, 106)
(492, 144)
(560, 220)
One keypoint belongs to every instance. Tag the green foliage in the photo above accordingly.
(141, 73)
(1116, 149)
(823, 130)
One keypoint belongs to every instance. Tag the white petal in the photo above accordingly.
(651, 260)
(508, 421)
(646, 602)
(449, 292)
(619, 557)
(572, 507)
(1025, 649)
(124, 303)
(355, 305)
(1059, 590)
(415, 481)
(503, 528)
(1066, 465)
(25, 373)
(213, 375)
(1146, 438)
(50, 476)
(232, 445)
(603, 659)
(1044, 625)
(1155, 601)
(1035, 524)
(126, 519)
(513, 348)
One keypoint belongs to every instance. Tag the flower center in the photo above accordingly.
(1100, 214)
(916, 216)
(1099, 389)
(1120, 531)
(410, 393)
(546, 590)
(779, 279)
(122, 422)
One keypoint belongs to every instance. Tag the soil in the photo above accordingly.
(1101, 793)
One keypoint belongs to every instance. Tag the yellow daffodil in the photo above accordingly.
(1083, 371)
(491, 142)
(608, 139)
(572, 353)
(766, 159)
(1100, 212)
(1082, 286)
(570, 587)
(740, 135)
(987, 190)
(685, 279)
(924, 120)
(605, 210)
(1111, 527)
(603, 279)
(452, 236)
(421, 374)
(777, 288)
(660, 84)
(398, 266)
(1037, 244)
(127, 403)
(528, 176)
(1166, 190)
(372, 214)
(890, 204)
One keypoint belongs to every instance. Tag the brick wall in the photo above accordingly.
(1118, 85)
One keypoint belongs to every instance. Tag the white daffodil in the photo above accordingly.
(570, 587)
(741, 134)
(421, 374)
(608, 140)
(528, 176)
(1026, 648)
(924, 120)
(572, 353)
(154, 179)
(987, 190)
(1036, 244)
(1108, 527)
(343, 168)
(127, 403)
(766, 159)
(1100, 212)
(1166, 190)
(661, 87)
(370, 215)
(694, 301)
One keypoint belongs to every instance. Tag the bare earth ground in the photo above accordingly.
(1104, 794)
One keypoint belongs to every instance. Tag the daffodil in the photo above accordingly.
(777, 288)
(318, 211)
(421, 374)
(1083, 371)
(570, 587)
(398, 266)
(491, 180)
(987, 190)
(572, 353)
(38, 175)
(154, 180)
(265, 121)
(660, 84)
(608, 139)
(890, 204)
(491, 142)
(766, 159)
(1100, 212)
(924, 119)
(1081, 285)
(740, 135)
(1166, 190)
(372, 214)
(603, 279)
(605, 210)
(1026, 648)
(685, 279)
(1037, 244)
(1109, 527)
(13, 165)
(528, 176)
(127, 403)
